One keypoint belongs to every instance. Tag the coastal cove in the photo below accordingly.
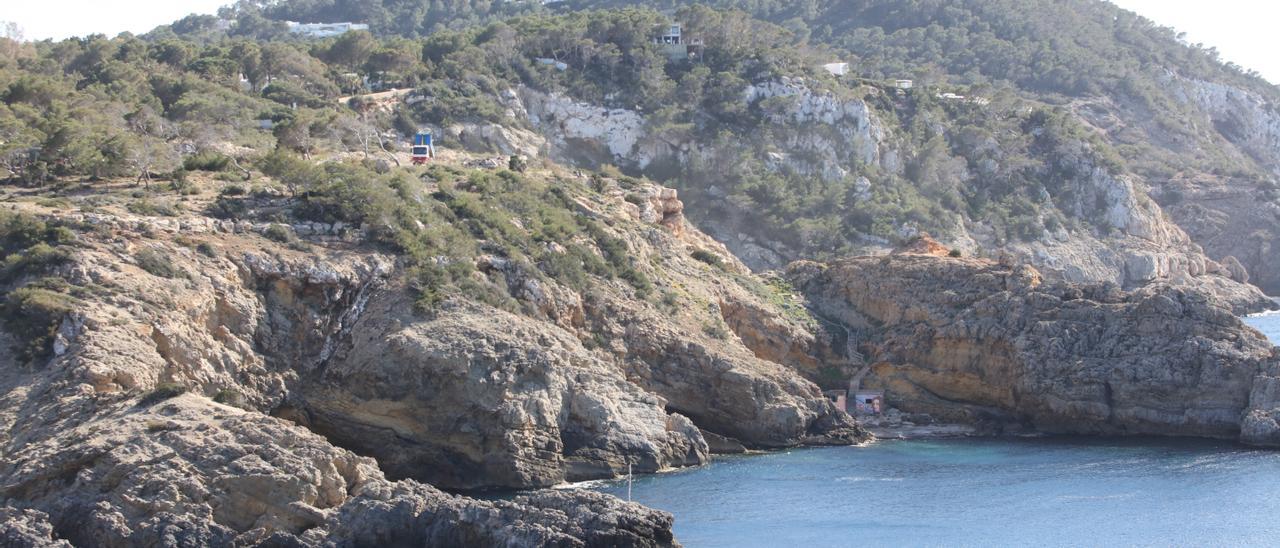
(1049, 491)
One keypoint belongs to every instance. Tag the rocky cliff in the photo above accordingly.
(832, 135)
(252, 391)
(974, 340)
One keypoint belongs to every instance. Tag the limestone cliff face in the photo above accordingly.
(1231, 216)
(1128, 239)
(973, 340)
(310, 379)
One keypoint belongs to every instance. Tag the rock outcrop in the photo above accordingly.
(188, 471)
(972, 340)
(1124, 237)
(255, 392)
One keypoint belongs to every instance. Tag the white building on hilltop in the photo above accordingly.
(324, 30)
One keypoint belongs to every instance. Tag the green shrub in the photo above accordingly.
(955, 253)
(31, 246)
(206, 161)
(161, 392)
(228, 207)
(32, 314)
(227, 396)
(707, 257)
(157, 263)
(206, 249)
(517, 164)
(180, 181)
(37, 259)
(145, 206)
(279, 233)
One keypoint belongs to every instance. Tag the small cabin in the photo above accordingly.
(868, 402)
(903, 84)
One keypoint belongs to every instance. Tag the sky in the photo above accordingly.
(1244, 31)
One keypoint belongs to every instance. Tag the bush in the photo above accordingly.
(707, 257)
(33, 314)
(206, 249)
(955, 253)
(206, 161)
(180, 182)
(279, 233)
(227, 396)
(161, 392)
(31, 246)
(146, 207)
(157, 263)
(37, 259)
(517, 164)
(228, 207)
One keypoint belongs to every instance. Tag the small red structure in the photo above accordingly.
(422, 149)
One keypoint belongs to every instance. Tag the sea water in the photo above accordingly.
(1268, 323)
(1049, 491)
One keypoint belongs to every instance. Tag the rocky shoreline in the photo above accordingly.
(267, 395)
(976, 341)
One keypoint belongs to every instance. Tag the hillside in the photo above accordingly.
(541, 328)
(236, 313)
(777, 159)
(1117, 93)
(1200, 133)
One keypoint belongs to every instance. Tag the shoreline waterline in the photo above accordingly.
(1052, 490)
(978, 490)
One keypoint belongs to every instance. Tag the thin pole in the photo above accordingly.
(628, 482)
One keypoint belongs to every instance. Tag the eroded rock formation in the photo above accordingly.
(973, 340)
(260, 393)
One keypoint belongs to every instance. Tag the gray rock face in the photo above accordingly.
(477, 398)
(1124, 237)
(971, 340)
(295, 370)
(187, 471)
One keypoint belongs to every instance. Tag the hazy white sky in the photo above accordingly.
(1244, 31)
(58, 19)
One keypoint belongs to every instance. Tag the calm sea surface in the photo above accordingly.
(1057, 491)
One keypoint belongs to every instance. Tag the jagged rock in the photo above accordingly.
(973, 340)
(572, 385)
(474, 398)
(924, 244)
(27, 528)
(1235, 269)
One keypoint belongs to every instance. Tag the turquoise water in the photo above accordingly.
(978, 492)
(1056, 491)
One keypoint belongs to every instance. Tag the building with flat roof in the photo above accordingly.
(323, 30)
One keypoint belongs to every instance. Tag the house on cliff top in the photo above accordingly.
(677, 46)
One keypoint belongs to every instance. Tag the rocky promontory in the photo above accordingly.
(200, 384)
(977, 341)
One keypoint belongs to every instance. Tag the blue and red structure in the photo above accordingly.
(422, 149)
